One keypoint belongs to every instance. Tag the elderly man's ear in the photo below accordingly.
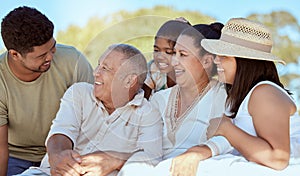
(130, 80)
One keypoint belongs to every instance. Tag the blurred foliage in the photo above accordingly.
(286, 31)
(139, 27)
(136, 28)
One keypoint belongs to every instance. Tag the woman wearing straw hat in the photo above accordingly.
(257, 101)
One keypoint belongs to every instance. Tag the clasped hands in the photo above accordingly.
(71, 163)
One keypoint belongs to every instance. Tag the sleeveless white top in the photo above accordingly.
(243, 120)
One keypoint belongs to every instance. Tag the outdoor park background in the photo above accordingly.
(92, 25)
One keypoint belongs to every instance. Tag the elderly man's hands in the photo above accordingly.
(65, 163)
(69, 163)
(100, 163)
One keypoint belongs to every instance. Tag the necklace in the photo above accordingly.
(173, 120)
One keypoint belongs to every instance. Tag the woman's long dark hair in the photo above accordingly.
(249, 72)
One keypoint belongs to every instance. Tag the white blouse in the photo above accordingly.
(190, 129)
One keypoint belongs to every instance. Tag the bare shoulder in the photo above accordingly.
(269, 98)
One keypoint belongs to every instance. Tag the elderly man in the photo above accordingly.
(100, 127)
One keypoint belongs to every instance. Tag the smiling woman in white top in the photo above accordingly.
(257, 101)
(187, 107)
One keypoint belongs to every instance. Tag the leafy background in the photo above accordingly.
(139, 27)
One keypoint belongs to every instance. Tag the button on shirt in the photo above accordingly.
(134, 128)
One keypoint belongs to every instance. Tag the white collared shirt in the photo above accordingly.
(133, 128)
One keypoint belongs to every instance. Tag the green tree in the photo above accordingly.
(137, 28)
(285, 30)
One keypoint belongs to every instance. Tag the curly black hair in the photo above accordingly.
(25, 27)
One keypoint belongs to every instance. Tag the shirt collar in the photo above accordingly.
(136, 101)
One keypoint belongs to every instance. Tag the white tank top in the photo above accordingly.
(244, 120)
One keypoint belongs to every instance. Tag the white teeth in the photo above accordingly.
(163, 64)
(220, 69)
(177, 72)
(98, 83)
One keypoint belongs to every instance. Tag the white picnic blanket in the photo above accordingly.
(222, 165)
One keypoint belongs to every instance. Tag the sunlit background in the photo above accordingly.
(91, 25)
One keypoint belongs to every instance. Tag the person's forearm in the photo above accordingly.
(119, 163)
(202, 152)
(119, 158)
(58, 143)
(254, 148)
(3, 160)
(3, 150)
(62, 159)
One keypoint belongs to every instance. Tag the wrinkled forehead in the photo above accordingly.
(113, 59)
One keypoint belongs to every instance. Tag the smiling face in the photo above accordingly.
(163, 50)
(107, 77)
(187, 63)
(226, 67)
(39, 60)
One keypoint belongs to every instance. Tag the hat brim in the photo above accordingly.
(223, 48)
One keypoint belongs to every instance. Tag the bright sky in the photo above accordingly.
(66, 12)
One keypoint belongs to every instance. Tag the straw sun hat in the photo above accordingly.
(243, 38)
